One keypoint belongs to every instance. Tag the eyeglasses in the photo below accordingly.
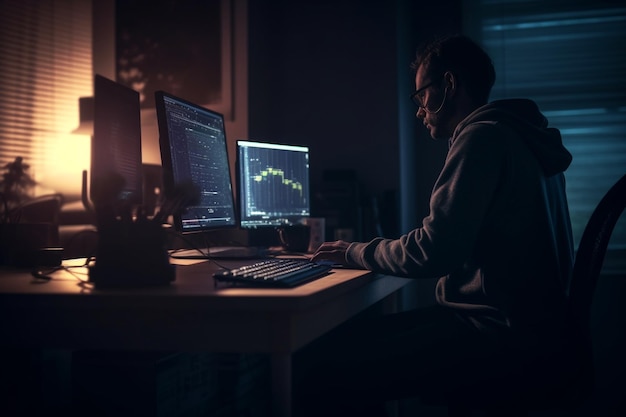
(417, 96)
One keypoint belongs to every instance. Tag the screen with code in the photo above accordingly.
(194, 150)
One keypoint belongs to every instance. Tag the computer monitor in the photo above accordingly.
(273, 183)
(193, 147)
(116, 140)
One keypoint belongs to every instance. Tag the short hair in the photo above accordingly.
(464, 58)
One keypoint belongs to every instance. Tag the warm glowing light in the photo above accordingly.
(65, 155)
(48, 63)
(62, 169)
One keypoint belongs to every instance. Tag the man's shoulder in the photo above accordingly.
(483, 125)
(483, 131)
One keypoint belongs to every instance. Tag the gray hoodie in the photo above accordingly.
(498, 234)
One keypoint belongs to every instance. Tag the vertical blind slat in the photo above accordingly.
(568, 58)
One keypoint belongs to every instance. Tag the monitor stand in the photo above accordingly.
(220, 252)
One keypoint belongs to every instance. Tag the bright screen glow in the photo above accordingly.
(194, 150)
(273, 182)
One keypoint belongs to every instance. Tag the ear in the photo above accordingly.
(450, 82)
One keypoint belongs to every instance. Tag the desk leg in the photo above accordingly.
(281, 384)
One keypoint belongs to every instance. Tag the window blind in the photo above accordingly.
(46, 66)
(567, 56)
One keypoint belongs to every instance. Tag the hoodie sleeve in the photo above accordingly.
(458, 205)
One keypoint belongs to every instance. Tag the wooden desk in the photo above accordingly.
(191, 314)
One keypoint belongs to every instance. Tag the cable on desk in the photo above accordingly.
(46, 275)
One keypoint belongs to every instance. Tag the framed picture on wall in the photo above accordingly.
(181, 47)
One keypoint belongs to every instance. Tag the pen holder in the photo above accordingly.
(131, 254)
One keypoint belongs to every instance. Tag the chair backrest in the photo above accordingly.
(592, 250)
(42, 209)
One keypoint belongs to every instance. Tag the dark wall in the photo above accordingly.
(322, 73)
(326, 74)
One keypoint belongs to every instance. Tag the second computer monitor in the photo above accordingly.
(116, 142)
(273, 182)
(194, 151)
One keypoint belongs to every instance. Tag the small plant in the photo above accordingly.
(15, 188)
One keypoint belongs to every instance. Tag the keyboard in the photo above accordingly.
(274, 272)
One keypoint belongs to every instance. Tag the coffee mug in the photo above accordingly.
(318, 232)
(295, 238)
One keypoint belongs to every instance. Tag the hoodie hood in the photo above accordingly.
(525, 118)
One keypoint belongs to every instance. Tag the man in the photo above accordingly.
(498, 234)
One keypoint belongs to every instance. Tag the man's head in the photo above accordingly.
(454, 76)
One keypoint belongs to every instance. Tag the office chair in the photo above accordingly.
(587, 267)
(43, 210)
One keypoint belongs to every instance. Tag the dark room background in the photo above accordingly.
(334, 75)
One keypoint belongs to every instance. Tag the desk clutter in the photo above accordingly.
(130, 254)
(132, 248)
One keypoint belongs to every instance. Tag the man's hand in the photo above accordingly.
(332, 251)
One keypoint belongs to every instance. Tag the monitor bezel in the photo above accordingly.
(169, 182)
